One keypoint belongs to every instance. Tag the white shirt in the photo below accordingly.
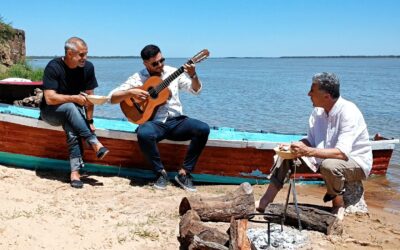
(343, 128)
(173, 106)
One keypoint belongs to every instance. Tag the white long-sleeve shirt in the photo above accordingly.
(173, 106)
(343, 128)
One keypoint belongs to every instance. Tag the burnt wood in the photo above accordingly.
(312, 217)
(238, 239)
(191, 226)
(238, 204)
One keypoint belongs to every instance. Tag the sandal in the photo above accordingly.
(103, 151)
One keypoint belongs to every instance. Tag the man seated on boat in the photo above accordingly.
(63, 105)
(168, 121)
(337, 138)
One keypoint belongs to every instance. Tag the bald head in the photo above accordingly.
(73, 43)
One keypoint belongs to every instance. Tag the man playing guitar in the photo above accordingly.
(167, 121)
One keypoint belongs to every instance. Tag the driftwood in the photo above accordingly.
(238, 235)
(238, 204)
(191, 226)
(312, 217)
(31, 101)
(199, 244)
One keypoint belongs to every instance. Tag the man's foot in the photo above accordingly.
(186, 182)
(162, 180)
(76, 184)
(339, 212)
(75, 180)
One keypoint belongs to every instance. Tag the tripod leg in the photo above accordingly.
(293, 185)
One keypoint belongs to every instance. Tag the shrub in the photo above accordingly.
(23, 70)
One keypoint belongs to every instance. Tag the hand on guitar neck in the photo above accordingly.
(190, 69)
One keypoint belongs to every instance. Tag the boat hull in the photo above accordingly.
(223, 161)
(11, 91)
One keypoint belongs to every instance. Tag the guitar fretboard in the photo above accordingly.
(170, 78)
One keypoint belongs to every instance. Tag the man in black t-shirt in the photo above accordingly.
(63, 105)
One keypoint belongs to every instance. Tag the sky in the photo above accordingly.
(228, 28)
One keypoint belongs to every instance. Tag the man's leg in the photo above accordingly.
(197, 132)
(149, 134)
(276, 184)
(71, 118)
(183, 129)
(335, 173)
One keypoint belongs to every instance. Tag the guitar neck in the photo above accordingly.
(164, 84)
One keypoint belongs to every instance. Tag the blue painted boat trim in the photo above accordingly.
(38, 163)
(221, 133)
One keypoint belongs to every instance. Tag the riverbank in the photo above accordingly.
(40, 209)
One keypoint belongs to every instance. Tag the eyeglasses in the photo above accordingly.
(155, 64)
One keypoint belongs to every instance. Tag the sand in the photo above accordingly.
(39, 210)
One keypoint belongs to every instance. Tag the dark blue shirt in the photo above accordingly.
(64, 80)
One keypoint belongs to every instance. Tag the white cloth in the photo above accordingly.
(173, 107)
(343, 128)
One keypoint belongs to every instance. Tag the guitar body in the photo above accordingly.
(140, 111)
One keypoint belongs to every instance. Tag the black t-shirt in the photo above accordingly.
(59, 77)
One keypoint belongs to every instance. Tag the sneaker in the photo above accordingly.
(162, 180)
(186, 182)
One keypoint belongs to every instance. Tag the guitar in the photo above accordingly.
(140, 111)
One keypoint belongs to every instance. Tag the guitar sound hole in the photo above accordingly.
(153, 93)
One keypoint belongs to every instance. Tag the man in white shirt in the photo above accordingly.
(337, 138)
(168, 121)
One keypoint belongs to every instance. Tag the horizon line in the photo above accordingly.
(249, 57)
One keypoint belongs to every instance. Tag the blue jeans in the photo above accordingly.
(72, 118)
(179, 128)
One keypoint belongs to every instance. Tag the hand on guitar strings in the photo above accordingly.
(139, 93)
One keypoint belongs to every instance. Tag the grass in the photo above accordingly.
(23, 70)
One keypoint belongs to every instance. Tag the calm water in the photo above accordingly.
(270, 94)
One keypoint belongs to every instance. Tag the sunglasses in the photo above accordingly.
(155, 64)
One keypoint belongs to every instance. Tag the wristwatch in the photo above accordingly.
(194, 76)
(90, 121)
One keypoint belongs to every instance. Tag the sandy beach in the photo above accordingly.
(39, 210)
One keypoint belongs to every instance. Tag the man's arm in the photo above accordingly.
(53, 98)
(89, 106)
(301, 149)
(120, 95)
(191, 71)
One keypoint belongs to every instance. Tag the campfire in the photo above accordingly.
(201, 218)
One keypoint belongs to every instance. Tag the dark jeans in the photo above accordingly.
(179, 128)
(71, 117)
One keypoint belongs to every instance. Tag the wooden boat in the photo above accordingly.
(230, 156)
(17, 89)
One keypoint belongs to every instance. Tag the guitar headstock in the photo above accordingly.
(200, 56)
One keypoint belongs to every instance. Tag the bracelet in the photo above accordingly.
(194, 76)
(90, 121)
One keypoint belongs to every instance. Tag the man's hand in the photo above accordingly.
(190, 69)
(300, 149)
(80, 99)
(139, 93)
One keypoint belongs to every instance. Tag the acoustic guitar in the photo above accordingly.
(140, 111)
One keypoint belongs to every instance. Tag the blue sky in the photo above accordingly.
(265, 28)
